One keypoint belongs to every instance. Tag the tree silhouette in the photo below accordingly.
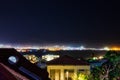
(109, 69)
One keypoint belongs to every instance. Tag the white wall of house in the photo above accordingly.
(57, 72)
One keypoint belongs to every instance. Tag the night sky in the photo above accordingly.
(88, 22)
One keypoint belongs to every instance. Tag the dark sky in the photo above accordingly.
(90, 22)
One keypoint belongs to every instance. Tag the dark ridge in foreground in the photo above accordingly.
(13, 62)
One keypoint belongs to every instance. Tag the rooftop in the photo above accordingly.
(66, 60)
(7, 73)
(13, 63)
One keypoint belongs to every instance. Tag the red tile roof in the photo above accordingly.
(67, 60)
(21, 68)
(7, 73)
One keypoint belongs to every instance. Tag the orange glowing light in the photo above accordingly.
(115, 48)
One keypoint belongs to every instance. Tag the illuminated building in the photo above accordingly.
(65, 67)
(49, 57)
(32, 58)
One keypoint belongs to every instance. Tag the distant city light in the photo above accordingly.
(106, 48)
(115, 48)
(32, 58)
(100, 57)
(55, 48)
(49, 57)
(95, 58)
(82, 47)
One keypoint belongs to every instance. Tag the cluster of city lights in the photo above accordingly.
(49, 57)
(98, 58)
(57, 47)
(32, 58)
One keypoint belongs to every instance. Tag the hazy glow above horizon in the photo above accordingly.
(57, 47)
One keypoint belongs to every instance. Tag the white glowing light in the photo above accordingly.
(12, 59)
(49, 57)
(106, 48)
(100, 57)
